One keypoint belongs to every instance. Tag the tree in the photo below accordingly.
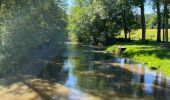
(27, 25)
(151, 20)
(125, 9)
(128, 17)
(95, 21)
(142, 4)
(166, 16)
(157, 3)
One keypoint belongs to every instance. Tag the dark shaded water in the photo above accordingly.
(87, 74)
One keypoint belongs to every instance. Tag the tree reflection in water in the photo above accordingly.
(76, 74)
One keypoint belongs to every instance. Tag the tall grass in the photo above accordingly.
(151, 34)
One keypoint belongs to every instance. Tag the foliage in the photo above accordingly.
(151, 21)
(26, 25)
(99, 21)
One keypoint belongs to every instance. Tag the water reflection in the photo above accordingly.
(105, 76)
(75, 74)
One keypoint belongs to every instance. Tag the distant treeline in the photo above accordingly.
(151, 21)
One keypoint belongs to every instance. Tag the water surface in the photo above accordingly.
(83, 73)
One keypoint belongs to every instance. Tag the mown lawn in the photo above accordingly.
(154, 55)
(151, 34)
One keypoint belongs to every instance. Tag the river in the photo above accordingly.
(84, 73)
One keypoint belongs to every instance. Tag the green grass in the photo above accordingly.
(151, 34)
(155, 56)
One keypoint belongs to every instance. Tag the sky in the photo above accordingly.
(148, 9)
(70, 2)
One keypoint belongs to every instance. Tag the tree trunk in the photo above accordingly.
(163, 27)
(158, 21)
(163, 34)
(125, 24)
(125, 32)
(143, 21)
(166, 21)
(129, 35)
(94, 40)
(107, 40)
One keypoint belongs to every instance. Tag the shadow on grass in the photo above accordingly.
(139, 42)
(158, 49)
(161, 53)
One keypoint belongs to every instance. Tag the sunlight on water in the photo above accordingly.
(75, 74)
(71, 79)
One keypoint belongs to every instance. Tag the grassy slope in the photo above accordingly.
(152, 54)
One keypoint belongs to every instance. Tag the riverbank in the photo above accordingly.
(154, 55)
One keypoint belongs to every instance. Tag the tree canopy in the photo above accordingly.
(27, 24)
(98, 21)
